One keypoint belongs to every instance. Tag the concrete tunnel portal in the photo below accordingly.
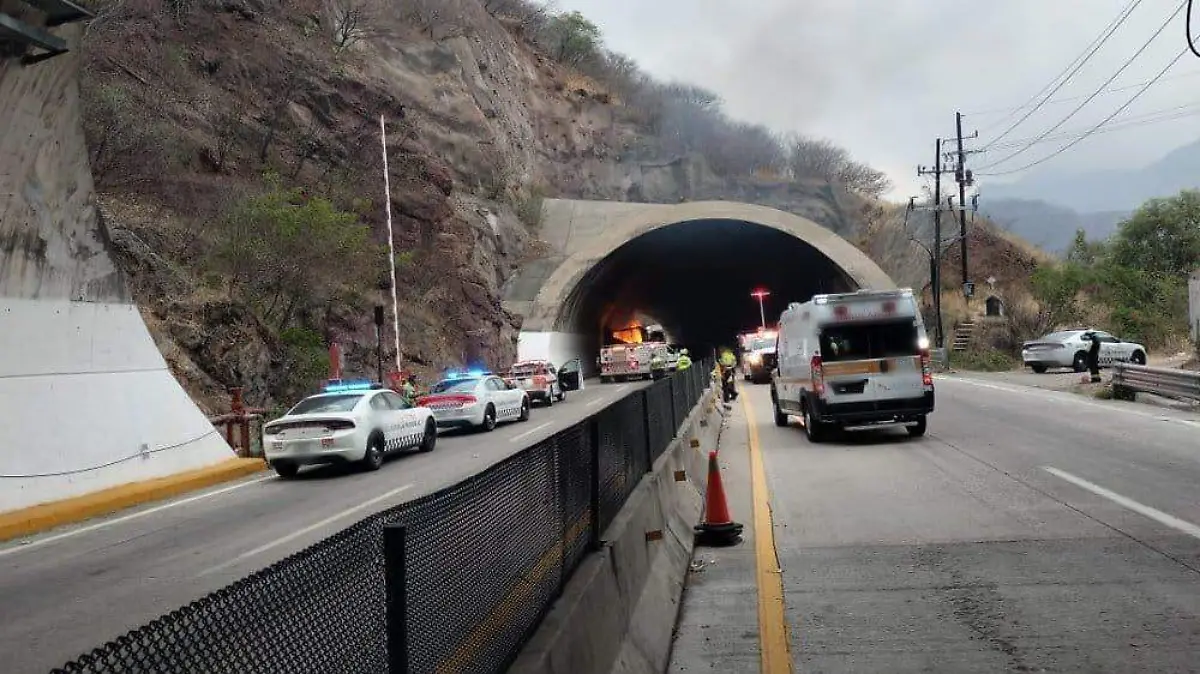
(695, 279)
(691, 268)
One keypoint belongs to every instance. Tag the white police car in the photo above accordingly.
(475, 399)
(350, 422)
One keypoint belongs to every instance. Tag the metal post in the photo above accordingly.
(594, 542)
(379, 341)
(646, 428)
(394, 536)
(238, 409)
(961, 176)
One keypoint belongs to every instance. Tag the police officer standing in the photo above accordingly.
(1094, 358)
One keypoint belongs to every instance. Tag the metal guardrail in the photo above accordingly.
(1129, 380)
(477, 565)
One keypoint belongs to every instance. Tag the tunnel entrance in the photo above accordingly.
(695, 279)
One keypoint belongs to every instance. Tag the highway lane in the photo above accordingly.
(1028, 531)
(71, 589)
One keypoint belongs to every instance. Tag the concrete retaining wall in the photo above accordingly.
(88, 401)
(618, 611)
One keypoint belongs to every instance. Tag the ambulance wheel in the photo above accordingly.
(917, 429)
(605, 380)
(549, 401)
(781, 417)
(814, 430)
(562, 395)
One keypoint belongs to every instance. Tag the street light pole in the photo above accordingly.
(762, 313)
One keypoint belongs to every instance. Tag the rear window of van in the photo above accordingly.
(870, 340)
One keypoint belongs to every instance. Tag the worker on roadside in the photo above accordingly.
(684, 362)
(727, 359)
(409, 389)
(1094, 358)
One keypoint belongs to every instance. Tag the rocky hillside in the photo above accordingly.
(236, 148)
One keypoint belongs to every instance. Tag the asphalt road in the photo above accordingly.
(70, 590)
(1030, 530)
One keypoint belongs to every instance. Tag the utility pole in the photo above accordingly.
(935, 270)
(964, 178)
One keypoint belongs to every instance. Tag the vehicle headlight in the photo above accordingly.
(755, 358)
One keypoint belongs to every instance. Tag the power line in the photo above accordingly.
(1074, 68)
(1096, 93)
(1095, 128)
(1187, 27)
(1068, 99)
(1131, 121)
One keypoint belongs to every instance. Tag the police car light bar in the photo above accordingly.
(340, 386)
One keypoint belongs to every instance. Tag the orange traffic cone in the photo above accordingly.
(718, 527)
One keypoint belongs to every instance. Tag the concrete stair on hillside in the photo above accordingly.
(964, 334)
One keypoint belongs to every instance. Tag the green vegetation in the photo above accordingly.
(982, 359)
(1139, 274)
(294, 258)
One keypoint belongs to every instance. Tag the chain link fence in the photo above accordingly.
(452, 582)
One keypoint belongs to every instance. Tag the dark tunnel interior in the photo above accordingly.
(695, 279)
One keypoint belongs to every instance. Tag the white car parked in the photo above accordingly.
(1069, 348)
(357, 422)
(476, 400)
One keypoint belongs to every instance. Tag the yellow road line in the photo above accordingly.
(776, 657)
(46, 516)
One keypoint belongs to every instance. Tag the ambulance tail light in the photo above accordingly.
(818, 375)
(539, 381)
(926, 368)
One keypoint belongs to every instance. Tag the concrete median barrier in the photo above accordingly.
(618, 611)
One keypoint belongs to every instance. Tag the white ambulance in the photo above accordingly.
(853, 361)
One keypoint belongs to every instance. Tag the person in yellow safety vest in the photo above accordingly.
(684, 362)
(728, 360)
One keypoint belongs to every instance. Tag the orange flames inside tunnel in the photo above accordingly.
(633, 333)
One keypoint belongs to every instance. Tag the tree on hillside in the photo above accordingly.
(287, 251)
(821, 159)
(353, 21)
(1162, 236)
(572, 38)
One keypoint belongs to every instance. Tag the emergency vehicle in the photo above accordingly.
(758, 355)
(538, 379)
(475, 399)
(853, 361)
(349, 422)
(619, 362)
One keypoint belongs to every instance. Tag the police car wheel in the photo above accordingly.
(489, 419)
(429, 440)
(524, 411)
(373, 457)
(1080, 363)
(286, 470)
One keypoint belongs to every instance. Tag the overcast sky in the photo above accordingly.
(883, 78)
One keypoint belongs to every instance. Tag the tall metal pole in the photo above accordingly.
(961, 175)
(937, 242)
(762, 314)
(387, 201)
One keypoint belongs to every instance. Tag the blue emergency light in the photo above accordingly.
(344, 385)
(465, 374)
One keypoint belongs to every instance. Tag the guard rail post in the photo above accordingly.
(671, 386)
(394, 537)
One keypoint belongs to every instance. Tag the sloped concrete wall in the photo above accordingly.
(88, 402)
